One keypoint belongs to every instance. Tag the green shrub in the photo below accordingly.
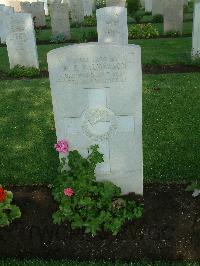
(133, 6)
(89, 21)
(22, 71)
(75, 25)
(8, 212)
(86, 203)
(100, 3)
(58, 39)
(142, 31)
(157, 18)
(138, 16)
(173, 33)
(90, 36)
(185, 8)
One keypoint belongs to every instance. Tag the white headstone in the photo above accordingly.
(148, 5)
(60, 20)
(173, 16)
(87, 5)
(38, 14)
(20, 41)
(77, 11)
(5, 11)
(97, 99)
(121, 3)
(196, 30)
(94, 5)
(46, 7)
(157, 7)
(26, 7)
(112, 25)
(54, 2)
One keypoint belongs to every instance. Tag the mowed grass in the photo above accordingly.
(170, 130)
(77, 33)
(154, 51)
(12, 262)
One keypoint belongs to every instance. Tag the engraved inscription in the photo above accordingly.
(83, 69)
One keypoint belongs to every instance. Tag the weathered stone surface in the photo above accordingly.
(77, 11)
(148, 5)
(25, 7)
(87, 5)
(5, 11)
(173, 16)
(196, 30)
(97, 99)
(112, 25)
(157, 7)
(121, 3)
(20, 41)
(60, 20)
(38, 14)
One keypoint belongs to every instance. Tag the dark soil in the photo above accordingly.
(173, 68)
(147, 69)
(168, 230)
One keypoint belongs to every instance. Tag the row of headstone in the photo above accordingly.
(77, 8)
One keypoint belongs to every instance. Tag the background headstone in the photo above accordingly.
(46, 7)
(121, 3)
(173, 16)
(20, 41)
(38, 14)
(26, 7)
(60, 20)
(148, 5)
(87, 5)
(5, 11)
(157, 7)
(196, 30)
(97, 99)
(112, 25)
(77, 11)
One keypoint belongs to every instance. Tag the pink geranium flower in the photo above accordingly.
(62, 146)
(68, 192)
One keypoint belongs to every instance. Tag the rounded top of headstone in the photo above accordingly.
(111, 9)
(77, 48)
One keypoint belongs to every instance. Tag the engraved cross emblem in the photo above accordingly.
(98, 123)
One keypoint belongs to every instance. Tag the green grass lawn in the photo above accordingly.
(170, 130)
(77, 33)
(159, 51)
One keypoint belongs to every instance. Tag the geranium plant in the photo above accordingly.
(8, 211)
(84, 202)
